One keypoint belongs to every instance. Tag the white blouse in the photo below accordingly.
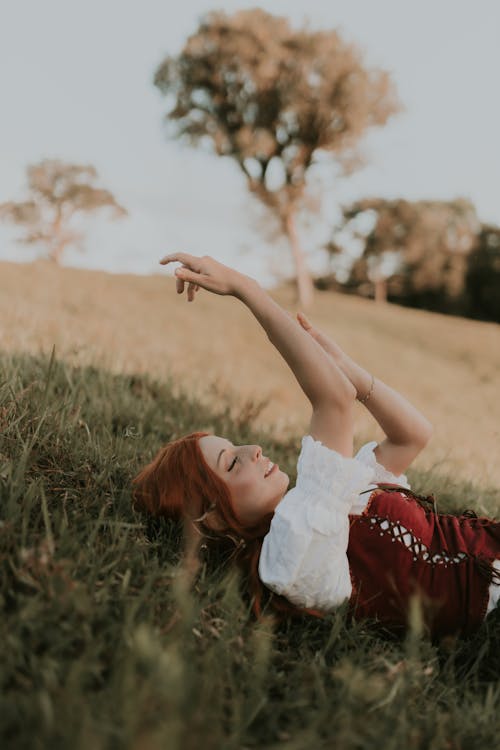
(304, 553)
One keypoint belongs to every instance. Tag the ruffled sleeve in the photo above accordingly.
(381, 474)
(303, 555)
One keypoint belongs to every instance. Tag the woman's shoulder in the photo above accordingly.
(314, 450)
(367, 456)
(316, 459)
(322, 465)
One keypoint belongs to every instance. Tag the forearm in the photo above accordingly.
(317, 374)
(399, 419)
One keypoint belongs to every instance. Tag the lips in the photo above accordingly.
(268, 473)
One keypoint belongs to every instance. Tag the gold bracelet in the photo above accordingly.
(365, 399)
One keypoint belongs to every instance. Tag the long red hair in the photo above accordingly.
(179, 484)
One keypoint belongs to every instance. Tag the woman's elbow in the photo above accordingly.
(334, 406)
(343, 395)
(426, 434)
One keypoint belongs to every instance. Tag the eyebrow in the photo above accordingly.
(220, 454)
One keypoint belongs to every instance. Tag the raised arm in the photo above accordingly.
(329, 390)
(317, 374)
(407, 430)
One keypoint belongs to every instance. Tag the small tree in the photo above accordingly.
(58, 191)
(483, 275)
(425, 243)
(275, 100)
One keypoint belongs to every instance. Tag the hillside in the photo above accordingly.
(114, 640)
(448, 367)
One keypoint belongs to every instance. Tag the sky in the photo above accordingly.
(76, 84)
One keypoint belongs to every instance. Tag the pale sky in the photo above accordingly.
(76, 84)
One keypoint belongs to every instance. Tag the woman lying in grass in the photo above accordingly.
(351, 529)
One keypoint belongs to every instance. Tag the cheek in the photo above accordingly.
(244, 484)
(247, 489)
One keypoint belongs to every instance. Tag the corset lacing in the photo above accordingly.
(401, 534)
(418, 548)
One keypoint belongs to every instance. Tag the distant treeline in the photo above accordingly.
(434, 255)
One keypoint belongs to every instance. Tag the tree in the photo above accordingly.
(424, 244)
(483, 275)
(58, 191)
(277, 101)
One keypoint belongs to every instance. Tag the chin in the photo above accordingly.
(286, 481)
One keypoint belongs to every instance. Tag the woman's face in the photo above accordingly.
(243, 468)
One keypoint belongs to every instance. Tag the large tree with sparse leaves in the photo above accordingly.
(276, 100)
(58, 191)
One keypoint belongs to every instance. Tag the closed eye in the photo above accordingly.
(233, 463)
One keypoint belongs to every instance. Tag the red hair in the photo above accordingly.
(179, 484)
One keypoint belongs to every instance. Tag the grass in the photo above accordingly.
(448, 367)
(104, 643)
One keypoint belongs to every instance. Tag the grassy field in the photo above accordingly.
(448, 367)
(105, 644)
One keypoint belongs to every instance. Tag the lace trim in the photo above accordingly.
(400, 533)
(336, 478)
(367, 456)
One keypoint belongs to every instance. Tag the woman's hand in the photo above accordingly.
(358, 376)
(326, 343)
(204, 272)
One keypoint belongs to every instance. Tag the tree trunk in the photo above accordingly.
(305, 288)
(58, 242)
(380, 290)
(56, 251)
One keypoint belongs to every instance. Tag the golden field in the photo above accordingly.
(448, 367)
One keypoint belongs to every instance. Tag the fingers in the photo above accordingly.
(182, 274)
(191, 290)
(191, 261)
(304, 322)
(188, 272)
(185, 275)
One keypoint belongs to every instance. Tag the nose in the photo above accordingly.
(256, 452)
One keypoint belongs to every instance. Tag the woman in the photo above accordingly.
(350, 530)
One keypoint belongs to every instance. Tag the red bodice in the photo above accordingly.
(399, 547)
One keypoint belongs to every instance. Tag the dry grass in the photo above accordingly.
(449, 367)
